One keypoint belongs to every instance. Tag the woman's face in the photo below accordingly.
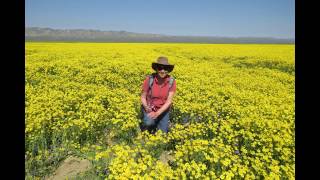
(162, 73)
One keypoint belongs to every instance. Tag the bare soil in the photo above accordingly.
(70, 167)
(165, 157)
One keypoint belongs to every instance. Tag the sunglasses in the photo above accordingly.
(165, 68)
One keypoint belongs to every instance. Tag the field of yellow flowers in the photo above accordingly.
(233, 115)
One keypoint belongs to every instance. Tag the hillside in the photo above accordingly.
(85, 35)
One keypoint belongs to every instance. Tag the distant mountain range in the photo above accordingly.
(85, 35)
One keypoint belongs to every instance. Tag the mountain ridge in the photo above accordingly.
(94, 35)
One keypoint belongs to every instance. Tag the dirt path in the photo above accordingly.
(70, 168)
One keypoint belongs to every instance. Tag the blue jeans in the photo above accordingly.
(161, 122)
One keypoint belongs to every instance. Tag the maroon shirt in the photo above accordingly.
(159, 92)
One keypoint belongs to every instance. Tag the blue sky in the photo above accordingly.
(229, 18)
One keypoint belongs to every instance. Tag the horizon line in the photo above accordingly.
(268, 37)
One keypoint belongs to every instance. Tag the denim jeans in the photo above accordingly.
(161, 122)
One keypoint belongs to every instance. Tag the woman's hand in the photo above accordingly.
(153, 115)
(148, 109)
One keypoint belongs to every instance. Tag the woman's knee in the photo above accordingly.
(164, 123)
(147, 121)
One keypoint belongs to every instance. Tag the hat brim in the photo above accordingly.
(155, 65)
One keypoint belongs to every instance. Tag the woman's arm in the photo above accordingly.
(144, 101)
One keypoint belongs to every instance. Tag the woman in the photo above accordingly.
(157, 93)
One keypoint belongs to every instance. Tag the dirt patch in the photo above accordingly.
(165, 157)
(70, 167)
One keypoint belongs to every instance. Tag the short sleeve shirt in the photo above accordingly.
(159, 93)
